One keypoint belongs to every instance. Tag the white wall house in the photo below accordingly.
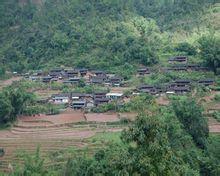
(60, 99)
(114, 96)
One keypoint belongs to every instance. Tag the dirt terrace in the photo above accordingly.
(52, 133)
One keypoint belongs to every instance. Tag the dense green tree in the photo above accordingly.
(210, 51)
(93, 34)
(190, 115)
(186, 48)
(146, 150)
(5, 109)
(13, 102)
(19, 98)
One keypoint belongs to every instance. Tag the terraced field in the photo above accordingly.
(51, 134)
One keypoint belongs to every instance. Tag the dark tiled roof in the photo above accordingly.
(206, 80)
(61, 95)
(182, 81)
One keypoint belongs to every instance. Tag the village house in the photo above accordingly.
(77, 96)
(71, 73)
(80, 96)
(115, 81)
(98, 73)
(38, 73)
(61, 98)
(181, 83)
(100, 101)
(100, 98)
(180, 90)
(82, 71)
(192, 67)
(98, 79)
(56, 70)
(143, 71)
(178, 59)
(159, 89)
(78, 104)
(99, 95)
(145, 88)
(206, 82)
(72, 81)
(153, 90)
(34, 78)
(46, 79)
(114, 96)
(177, 68)
(55, 74)
(81, 101)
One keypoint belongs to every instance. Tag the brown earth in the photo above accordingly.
(52, 133)
(8, 82)
(163, 101)
(46, 93)
(102, 117)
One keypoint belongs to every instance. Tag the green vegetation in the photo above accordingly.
(190, 115)
(216, 115)
(13, 102)
(114, 35)
(157, 145)
(210, 51)
(107, 137)
(2, 152)
(163, 141)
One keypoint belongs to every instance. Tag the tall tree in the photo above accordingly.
(190, 115)
(210, 51)
(5, 109)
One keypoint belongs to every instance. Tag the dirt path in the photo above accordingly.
(9, 81)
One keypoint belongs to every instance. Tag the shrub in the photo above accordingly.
(2, 152)
(217, 98)
(216, 115)
(187, 48)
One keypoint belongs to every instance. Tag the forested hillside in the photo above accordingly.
(37, 34)
(110, 87)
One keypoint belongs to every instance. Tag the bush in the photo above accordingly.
(217, 98)
(216, 115)
(187, 48)
(2, 152)
(104, 108)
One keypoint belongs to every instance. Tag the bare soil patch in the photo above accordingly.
(102, 117)
(129, 115)
(162, 100)
(52, 133)
(214, 128)
(8, 82)
(120, 89)
(59, 119)
(46, 93)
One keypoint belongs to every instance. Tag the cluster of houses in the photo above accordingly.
(88, 101)
(85, 101)
(74, 76)
(175, 87)
(180, 63)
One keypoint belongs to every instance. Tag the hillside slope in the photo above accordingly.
(97, 34)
